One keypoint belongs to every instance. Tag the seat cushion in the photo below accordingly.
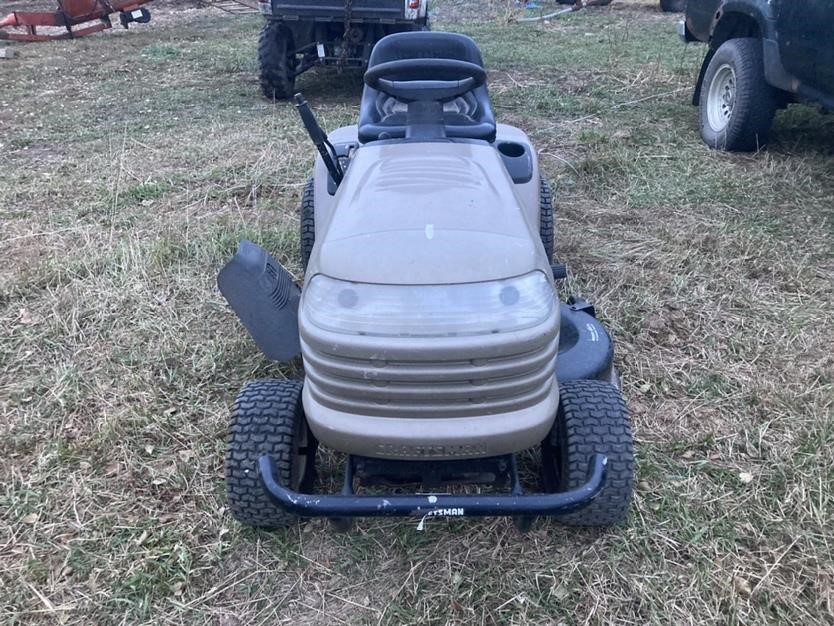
(383, 117)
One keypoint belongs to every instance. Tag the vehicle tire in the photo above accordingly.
(277, 64)
(308, 221)
(736, 104)
(546, 221)
(673, 6)
(267, 418)
(592, 418)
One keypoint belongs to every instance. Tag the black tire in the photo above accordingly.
(592, 417)
(546, 223)
(277, 65)
(673, 6)
(736, 104)
(267, 418)
(308, 221)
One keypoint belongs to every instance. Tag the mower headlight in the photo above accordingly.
(429, 310)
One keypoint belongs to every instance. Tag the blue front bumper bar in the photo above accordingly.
(423, 505)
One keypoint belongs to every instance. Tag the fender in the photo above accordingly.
(753, 10)
(696, 94)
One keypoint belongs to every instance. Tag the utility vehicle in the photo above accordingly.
(763, 55)
(299, 35)
(435, 348)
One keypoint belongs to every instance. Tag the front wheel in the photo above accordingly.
(307, 221)
(546, 221)
(736, 104)
(592, 418)
(268, 418)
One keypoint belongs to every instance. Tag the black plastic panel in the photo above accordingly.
(265, 298)
(360, 9)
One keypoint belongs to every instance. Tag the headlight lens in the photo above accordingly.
(429, 310)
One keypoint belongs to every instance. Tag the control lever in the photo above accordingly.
(325, 148)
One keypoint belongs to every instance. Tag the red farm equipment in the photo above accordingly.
(76, 18)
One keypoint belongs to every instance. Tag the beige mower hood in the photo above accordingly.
(389, 227)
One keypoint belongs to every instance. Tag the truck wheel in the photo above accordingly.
(546, 224)
(267, 418)
(277, 64)
(308, 221)
(736, 105)
(673, 6)
(592, 417)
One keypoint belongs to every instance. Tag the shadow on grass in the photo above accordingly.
(801, 130)
(329, 86)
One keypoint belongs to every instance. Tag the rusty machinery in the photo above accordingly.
(77, 17)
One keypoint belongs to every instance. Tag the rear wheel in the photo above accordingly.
(308, 221)
(546, 223)
(673, 6)
(276, 61)
(268, 418)
(736, 104)
(592, 418)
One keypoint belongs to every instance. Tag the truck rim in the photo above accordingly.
(721, 98)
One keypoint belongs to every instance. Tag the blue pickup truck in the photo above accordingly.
(763, 55)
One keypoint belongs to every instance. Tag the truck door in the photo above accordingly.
(806, 41)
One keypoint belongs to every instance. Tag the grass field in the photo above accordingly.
(132, 162)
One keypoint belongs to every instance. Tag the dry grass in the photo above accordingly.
(130, 165)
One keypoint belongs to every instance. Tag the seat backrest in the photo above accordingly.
(425, 45)
(373, 125)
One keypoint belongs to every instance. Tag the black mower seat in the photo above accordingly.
(383, 117)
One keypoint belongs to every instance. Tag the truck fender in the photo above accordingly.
(696, 95)
(745, 8)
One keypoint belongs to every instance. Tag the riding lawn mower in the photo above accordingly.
(434, 345)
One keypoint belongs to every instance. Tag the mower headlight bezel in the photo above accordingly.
(425, 311)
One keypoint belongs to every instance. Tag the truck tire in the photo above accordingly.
(546, 222)
(267, 418)
(673, 6)
(736, 104)
(307, 235)
(277, 64)
(592, 417)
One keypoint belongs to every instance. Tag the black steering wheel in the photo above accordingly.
(424, 80)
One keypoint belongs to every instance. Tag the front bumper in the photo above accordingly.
(684, 33)
(516, 503)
